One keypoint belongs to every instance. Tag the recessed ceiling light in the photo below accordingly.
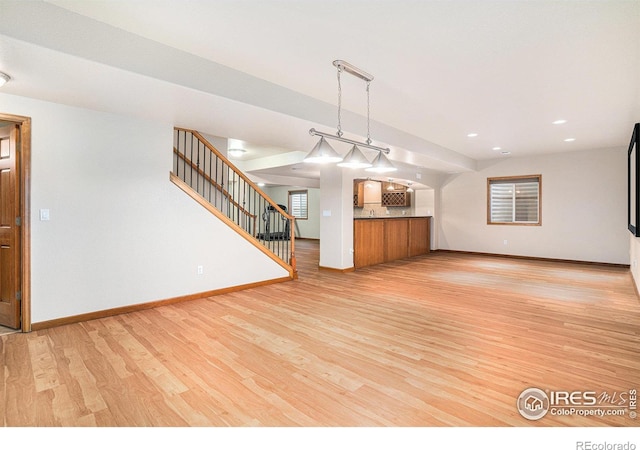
(472, 134)
(570, 139)
(236, 152)
(4, 78)
(559, 121)
(496, 148)
(261, 184)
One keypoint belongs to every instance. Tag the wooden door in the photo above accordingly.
(9, 228)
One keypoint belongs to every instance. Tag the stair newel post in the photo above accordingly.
(292, 239)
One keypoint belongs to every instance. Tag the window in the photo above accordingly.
(298, 204)
(514, 200)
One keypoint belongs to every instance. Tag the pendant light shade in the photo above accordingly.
(323, 153)
(355, 159)
(381, 164)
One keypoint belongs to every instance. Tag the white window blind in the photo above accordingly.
(298, 205)
(514, 200)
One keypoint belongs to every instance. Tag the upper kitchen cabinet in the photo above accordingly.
(358, 193)
(395, 195)
(366, 191)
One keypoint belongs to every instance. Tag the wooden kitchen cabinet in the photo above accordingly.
(419, 236)
(396, 239)
(382, 240)
(368, 245)
(358, 193)
(396, 196)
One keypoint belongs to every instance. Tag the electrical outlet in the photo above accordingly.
(200, 270)
(506, 242)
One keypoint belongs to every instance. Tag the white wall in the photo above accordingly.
(634, 255)
(583, 208)
(309, 228)
(120, 232)
(424, 205)
(423, 202)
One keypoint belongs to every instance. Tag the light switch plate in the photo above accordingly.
(44, 214)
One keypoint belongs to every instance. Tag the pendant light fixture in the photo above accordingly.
(390, 186)
(323, 153)
(381, 164)
(355, 159)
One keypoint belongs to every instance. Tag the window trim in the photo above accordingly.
(298, 191)
(515, 179)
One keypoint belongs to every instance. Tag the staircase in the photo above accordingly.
(202, 172)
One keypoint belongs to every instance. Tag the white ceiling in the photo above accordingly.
(261, 71)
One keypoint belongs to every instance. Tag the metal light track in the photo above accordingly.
(353, 70)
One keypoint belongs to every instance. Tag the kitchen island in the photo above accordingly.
(377, 240)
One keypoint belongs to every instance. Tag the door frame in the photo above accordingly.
(25, 213)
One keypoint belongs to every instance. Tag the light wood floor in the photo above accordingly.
(5, 330)
(440, 340)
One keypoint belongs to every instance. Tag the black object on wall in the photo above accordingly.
(633, 187)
